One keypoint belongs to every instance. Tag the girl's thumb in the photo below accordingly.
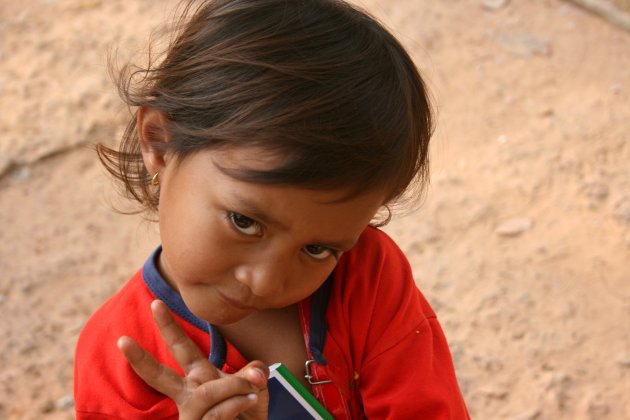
(256, 373)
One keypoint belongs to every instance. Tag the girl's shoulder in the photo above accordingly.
(104, 383)
(113, 316)
(374, 294)
(377, 270)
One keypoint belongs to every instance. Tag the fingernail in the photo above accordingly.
(260, 373)
(252, 397)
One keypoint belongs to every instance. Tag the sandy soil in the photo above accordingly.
(522, 244)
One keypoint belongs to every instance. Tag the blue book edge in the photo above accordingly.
(289, 399)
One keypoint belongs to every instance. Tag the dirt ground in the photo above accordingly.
(522, 243)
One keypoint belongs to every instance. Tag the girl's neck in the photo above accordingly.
(273, 335)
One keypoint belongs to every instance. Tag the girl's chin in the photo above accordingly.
(224, 319)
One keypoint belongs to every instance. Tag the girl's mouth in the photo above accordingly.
(235, 303)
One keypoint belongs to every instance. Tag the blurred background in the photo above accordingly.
(521, 244)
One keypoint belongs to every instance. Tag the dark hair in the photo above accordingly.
(318, 81)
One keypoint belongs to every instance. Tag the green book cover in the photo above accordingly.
(289, 399)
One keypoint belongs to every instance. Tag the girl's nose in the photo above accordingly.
(263, 278)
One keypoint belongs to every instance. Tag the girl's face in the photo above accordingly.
(232, 248)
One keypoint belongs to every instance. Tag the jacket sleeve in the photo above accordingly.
(413, 379)
(405, 365)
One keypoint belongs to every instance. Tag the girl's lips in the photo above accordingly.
(235, 303)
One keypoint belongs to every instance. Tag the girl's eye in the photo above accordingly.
(319, 252)
(244, 224)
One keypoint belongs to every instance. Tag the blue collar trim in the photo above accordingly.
(319, 328)
(161, 289)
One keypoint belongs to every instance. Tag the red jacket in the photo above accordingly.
(368, 328)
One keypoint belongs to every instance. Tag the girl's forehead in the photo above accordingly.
(227, 165)
(247, 157)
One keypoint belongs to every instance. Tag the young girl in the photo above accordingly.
(266, 140)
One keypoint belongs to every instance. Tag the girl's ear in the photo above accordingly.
(152, 126)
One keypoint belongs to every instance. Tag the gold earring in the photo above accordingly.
(154, 180)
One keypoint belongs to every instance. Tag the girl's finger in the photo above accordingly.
(232, 408)
(216, 393)
(188, 356)
(256, 373)
(155, 374)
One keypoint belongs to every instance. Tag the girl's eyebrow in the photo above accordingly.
(253, 210)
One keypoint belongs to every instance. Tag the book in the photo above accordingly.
(289, 399)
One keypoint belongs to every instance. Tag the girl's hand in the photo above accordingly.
(204, 392)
